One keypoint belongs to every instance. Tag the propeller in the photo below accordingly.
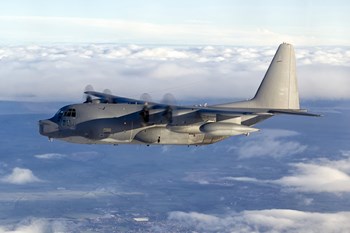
(87, 97)
(145, 114)
(168, 99)
(108, 99)
(145, 110)
(107, 91)
(170, 102)
(146, 97)
(162, 112)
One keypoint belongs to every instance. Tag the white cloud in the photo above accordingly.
(274, 220)
(270, 142)
(345, 153)
(241, 178)
(165, 149)
(62, 193)
(60, 72)
(20, 176)
(324, 81)
(174, 71)
(202, 178)
(76, 156)
(84, 156)
(35, 225)
(50, 156)
(319, 176)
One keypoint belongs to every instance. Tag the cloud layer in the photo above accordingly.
(60, 72)
(274, 220)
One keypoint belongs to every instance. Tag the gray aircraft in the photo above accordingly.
(107, 119)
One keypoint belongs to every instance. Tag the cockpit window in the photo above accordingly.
(70, 113)
(59, 114)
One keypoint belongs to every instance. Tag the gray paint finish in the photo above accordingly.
(110, 119)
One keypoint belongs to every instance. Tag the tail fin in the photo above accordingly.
(279, 88)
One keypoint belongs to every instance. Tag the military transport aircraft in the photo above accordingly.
(107, 119)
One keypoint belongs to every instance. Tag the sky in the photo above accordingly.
(132, 47)
(292, 176)
(222, 22)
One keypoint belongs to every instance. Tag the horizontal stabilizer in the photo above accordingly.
(300, 112)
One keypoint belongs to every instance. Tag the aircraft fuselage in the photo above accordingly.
(102, 123)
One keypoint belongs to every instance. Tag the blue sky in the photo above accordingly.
(176, 22)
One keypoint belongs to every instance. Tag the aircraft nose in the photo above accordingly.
(47, 127)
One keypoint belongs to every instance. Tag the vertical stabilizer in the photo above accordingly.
(279, 88)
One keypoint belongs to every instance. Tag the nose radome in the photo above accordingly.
(47, 127)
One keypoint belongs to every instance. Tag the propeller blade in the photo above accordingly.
(146, 97)
(88, 98)
(170, 101)
(145, 114)
(145, 110)
(109, 93)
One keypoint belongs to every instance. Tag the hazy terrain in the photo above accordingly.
(292, 176)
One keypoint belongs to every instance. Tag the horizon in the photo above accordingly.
(61, 71)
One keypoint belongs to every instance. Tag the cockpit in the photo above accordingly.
(70, 112)
(65, 117)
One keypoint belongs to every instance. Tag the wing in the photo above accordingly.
(114, 99)
(210, 110)
(253, 115)
(255, 111)
(119, 100)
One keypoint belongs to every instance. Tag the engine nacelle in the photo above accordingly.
(226, 129)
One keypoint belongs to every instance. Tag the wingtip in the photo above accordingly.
(313, 114)
(300, 112)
